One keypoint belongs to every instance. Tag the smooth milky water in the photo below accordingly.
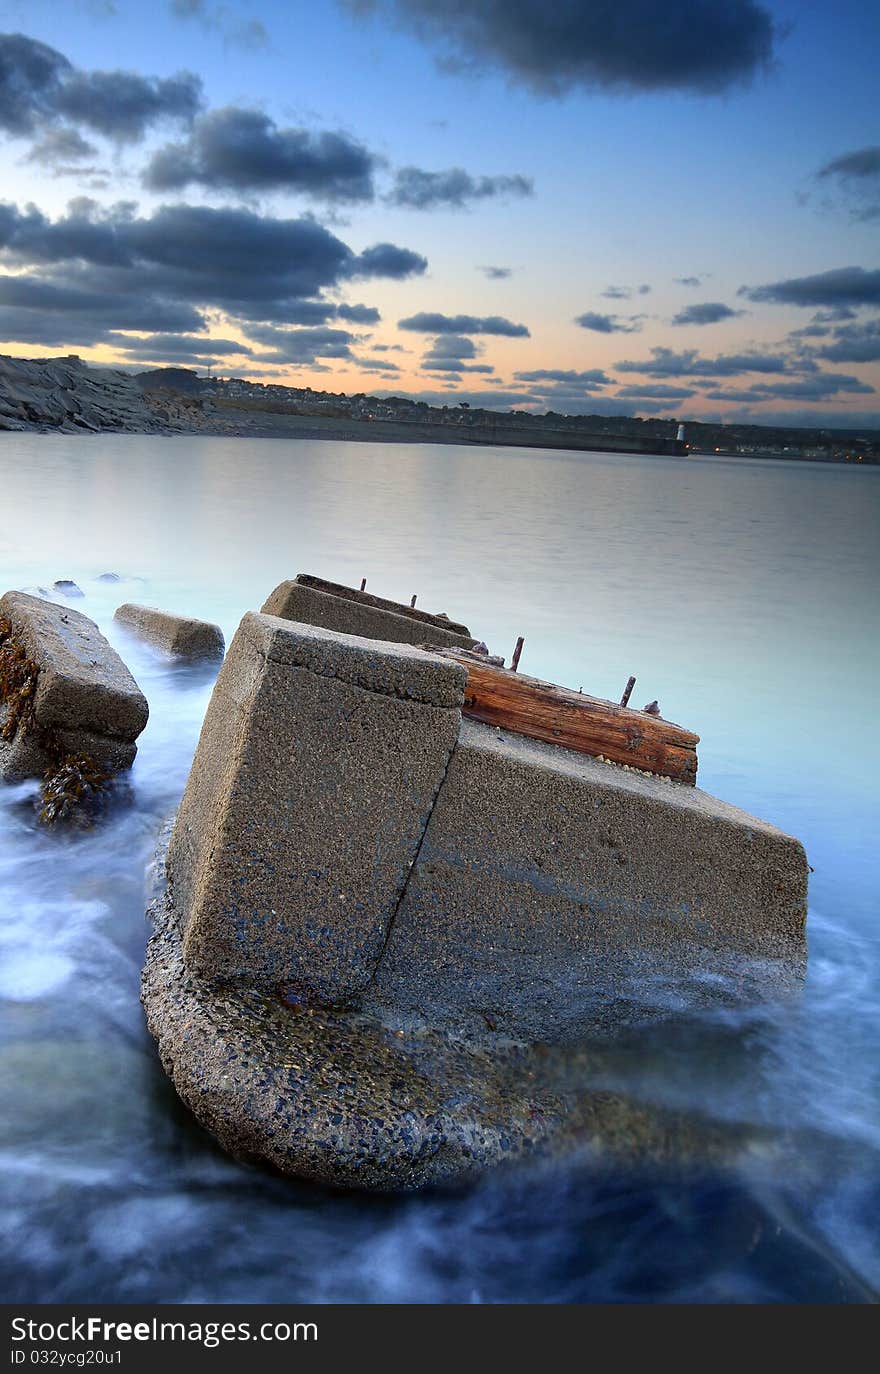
(743, 595)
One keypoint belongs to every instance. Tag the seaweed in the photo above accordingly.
(18, 684)
(70, 786)
(72, 782)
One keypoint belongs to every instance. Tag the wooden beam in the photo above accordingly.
(321, 584)
(590, 725)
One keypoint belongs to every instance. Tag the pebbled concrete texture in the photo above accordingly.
(354, 1101)
(85, 697)
(178, 635)
(556, 896)
(371, 617)
(317, 767)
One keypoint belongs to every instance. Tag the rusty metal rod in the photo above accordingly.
(627, 692)
(514, 662)
(363, 584)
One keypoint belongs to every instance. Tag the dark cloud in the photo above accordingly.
(707, 312)
(810, 331)
(821, 387)
(244, 150)
(689, 281)
(58, 148)
(453, 189)
(625, 293)
(496, 273)
(35, 311)
(96, 269)
(592, 377)
(855, 343)
(387, 260)
(608, 324)
(453, 346)
(31, 75)
(664, 362)
(358, 314)
(376, 365)
(219, 256)
(857, 176)
(846, 420)
(453, 353)
(865, 162)
(693, 45)
(300, 345)
(428, 322)
(39, 87)
(319, 312)
(835, 315)
(170, 346)
(841, 286)
(123, 105)
(655, 392)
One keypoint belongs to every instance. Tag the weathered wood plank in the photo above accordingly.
(589, 725)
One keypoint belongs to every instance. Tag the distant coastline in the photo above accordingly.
(65, 395)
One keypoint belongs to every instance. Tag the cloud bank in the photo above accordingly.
(704, 46)
(39, 87)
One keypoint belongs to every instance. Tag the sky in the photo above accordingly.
(568, 205)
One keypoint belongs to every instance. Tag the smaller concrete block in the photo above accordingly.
(83, 683)
(353, 614)
(178, 635)
(86, 699)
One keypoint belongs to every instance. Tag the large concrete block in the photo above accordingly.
(317, 768)
(86, 701)
(314, 602)
(555, 895)
(178, 635)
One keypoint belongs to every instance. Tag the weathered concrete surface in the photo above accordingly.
(355, 1101)
(353, 613)
(178, 635)
(317, 767)
(556, 896)
(86, 700)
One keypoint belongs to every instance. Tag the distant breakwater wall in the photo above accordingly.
(522, 436)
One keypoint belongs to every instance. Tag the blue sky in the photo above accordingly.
(680, 223)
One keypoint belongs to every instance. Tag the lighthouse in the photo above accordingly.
(680, 435)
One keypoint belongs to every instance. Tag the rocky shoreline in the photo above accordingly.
(67, 396)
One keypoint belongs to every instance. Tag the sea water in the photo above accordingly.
(743, 594)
